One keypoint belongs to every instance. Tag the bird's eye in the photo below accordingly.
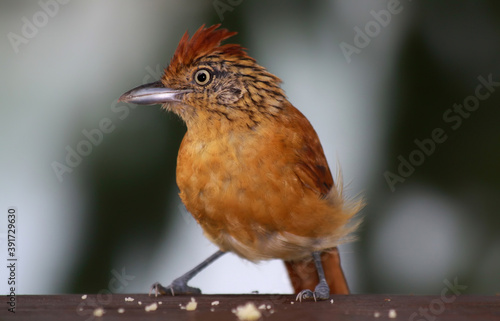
(202, 77)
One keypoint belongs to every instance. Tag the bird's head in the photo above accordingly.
(208, 83)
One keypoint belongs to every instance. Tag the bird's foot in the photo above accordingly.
(177, 287)
(321, 292)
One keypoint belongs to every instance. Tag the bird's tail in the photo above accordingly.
(304, 275)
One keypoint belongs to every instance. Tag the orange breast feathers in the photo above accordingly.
(264, 193)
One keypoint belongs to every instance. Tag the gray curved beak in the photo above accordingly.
(151, 94)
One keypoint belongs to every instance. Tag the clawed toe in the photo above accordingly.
(305, 295)
(157, 288)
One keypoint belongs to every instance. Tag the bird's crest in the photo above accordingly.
(203, 42)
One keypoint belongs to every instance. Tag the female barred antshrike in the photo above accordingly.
(251, 169)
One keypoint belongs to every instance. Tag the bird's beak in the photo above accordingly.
(151, 94)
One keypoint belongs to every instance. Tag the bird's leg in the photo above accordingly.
(322, 291)
(179, 285)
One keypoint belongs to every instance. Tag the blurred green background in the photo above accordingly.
(375, 78)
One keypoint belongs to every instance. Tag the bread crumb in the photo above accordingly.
(99, 312)
(139, 302)
(376, 314)
(129, 299)
(160, 302)
(291, 302)
(191, 306)
(247, 312)
(331, 301)
(269, 306)
(212, 309)
(84, 297)
(387, 300)
(215, 303)
(262, 307)
(121, 310)
(151, 307)
(392, 314)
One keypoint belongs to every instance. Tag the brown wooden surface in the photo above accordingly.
(350, 307)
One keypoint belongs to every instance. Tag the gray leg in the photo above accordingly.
(322, 291)
(179, 285)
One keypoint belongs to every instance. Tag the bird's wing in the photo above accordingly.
(313, 172)
(311, 167)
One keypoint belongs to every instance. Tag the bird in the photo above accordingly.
(251, 169)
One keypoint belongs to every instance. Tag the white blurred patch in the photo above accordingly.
(415, 242)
